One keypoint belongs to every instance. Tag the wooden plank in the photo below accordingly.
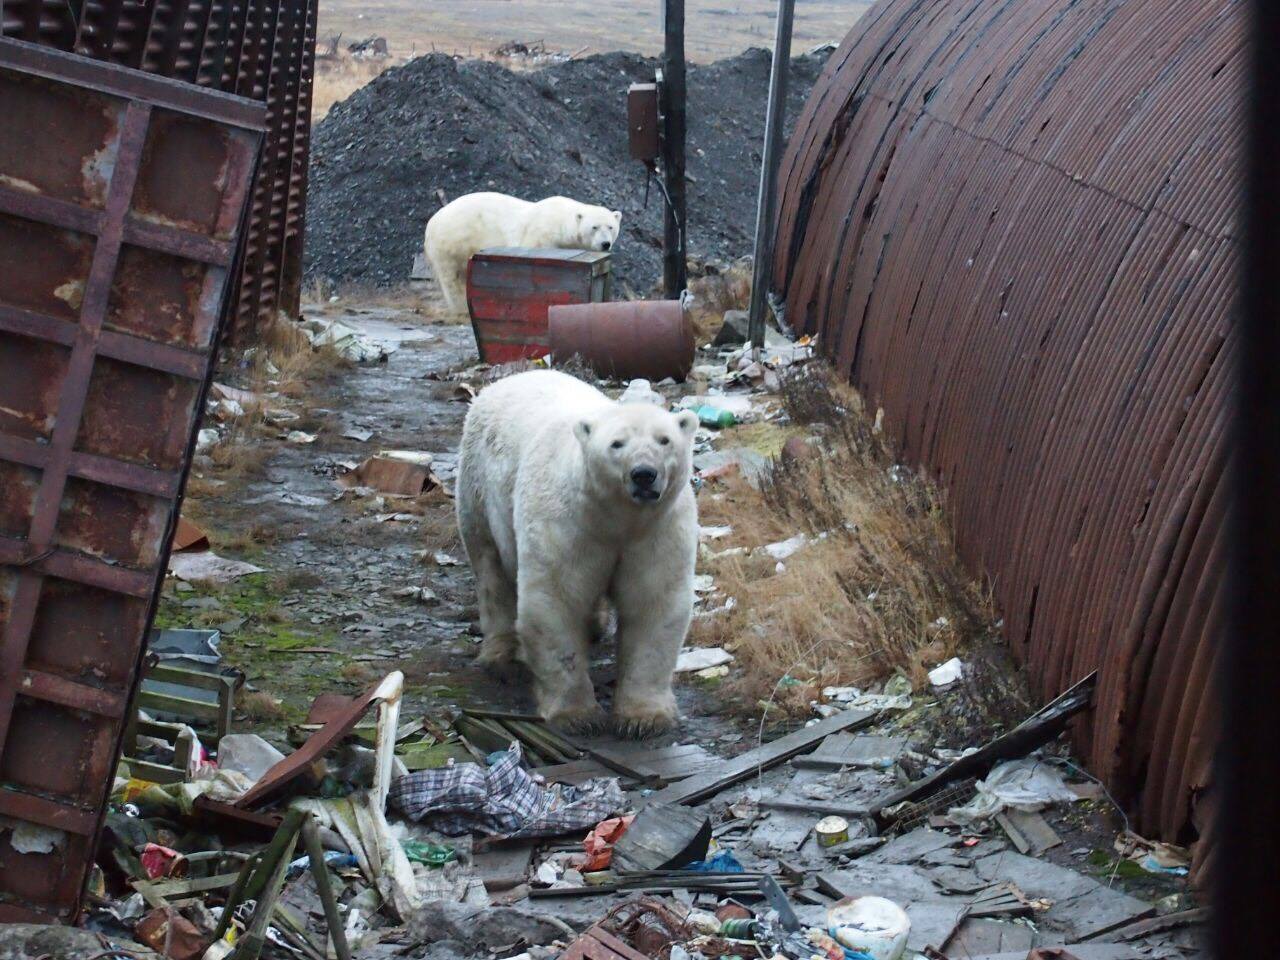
(574, 773)
(174, 888)
(1170, 921)
(815, 808)
(763, 758)
(1030, 832)
(660, 838)
(854, 751)
(503, 866)
(932, 924)
(975, 937)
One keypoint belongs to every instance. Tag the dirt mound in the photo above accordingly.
(436, 123)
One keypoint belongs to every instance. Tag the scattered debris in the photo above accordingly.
(401, 473)
(205, 566)
(700, 658)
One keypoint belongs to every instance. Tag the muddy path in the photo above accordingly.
(340, 602)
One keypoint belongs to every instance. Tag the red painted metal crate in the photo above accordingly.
(122, 202)
(509, 291)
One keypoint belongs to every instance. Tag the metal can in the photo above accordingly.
(832, 830)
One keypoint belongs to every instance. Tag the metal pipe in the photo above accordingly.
(767, 201)
(672, 89)
(320, 870)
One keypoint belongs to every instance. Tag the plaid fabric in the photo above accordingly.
(503, 800)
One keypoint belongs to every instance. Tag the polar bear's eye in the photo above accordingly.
(617, 444)
(664, 440)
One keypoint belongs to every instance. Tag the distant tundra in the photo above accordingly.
(471, 223)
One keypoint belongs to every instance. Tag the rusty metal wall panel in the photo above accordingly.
(261, 49)
(1012, 226)
(122, 200)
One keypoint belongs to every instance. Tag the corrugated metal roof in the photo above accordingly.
(1013, 226)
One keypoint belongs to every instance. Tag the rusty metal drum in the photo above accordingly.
(626, 339)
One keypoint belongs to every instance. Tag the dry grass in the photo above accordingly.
(877, 591)
(357, 672)
(439, 529)
(338, 79)
(283, 362)
(715, 292)
(259, 705)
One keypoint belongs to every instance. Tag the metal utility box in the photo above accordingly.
(509, 291)
(122, 206)
(642, 121)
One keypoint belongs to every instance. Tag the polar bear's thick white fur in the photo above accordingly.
(566, 498)
(469, 224)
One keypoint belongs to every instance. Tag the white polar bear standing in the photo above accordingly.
(564, 498)
(469, 224)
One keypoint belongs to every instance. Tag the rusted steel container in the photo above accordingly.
(122, 201)
(1014, 227)
(632, 338)
(509, 291)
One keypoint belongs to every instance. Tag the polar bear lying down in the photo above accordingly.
(564, 498)
(462, 228)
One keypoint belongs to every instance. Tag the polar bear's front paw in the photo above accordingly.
(498, 654)
(640, 723)
(584, 721)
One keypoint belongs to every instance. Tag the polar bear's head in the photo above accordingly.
(637, 452)
(597, 227)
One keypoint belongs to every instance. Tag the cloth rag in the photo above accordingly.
(502, 801)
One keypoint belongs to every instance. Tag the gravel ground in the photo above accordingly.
(437, 123)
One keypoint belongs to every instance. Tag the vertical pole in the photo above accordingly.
(767, 201)
(1247, 884)
(675, 222)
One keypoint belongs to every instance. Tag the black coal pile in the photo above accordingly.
(379, 159)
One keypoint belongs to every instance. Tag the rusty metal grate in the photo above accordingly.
(260, 49)
(122, 199)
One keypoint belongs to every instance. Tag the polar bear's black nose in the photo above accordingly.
(605, 245)
(644, 477)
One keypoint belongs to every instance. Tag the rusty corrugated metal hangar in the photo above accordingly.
(1013, 226)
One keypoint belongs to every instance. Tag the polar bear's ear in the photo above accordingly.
(688, 421)
(617, 216)
(582, 430)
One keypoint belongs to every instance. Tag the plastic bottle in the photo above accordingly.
(714, 417)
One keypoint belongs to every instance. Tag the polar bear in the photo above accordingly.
(566, 498)
(469, 224)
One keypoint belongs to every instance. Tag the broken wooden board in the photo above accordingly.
(1029, 832)
(913, 846)
(754, 762)
(662, 838)
(932, 923)
(893, 881)
(847, 750)
(779, 833)
(672, 763)
(976, 936)
(502, 866)
(1081, 908)
(1170, 921)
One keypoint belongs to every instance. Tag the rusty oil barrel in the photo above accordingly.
(624, 339)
